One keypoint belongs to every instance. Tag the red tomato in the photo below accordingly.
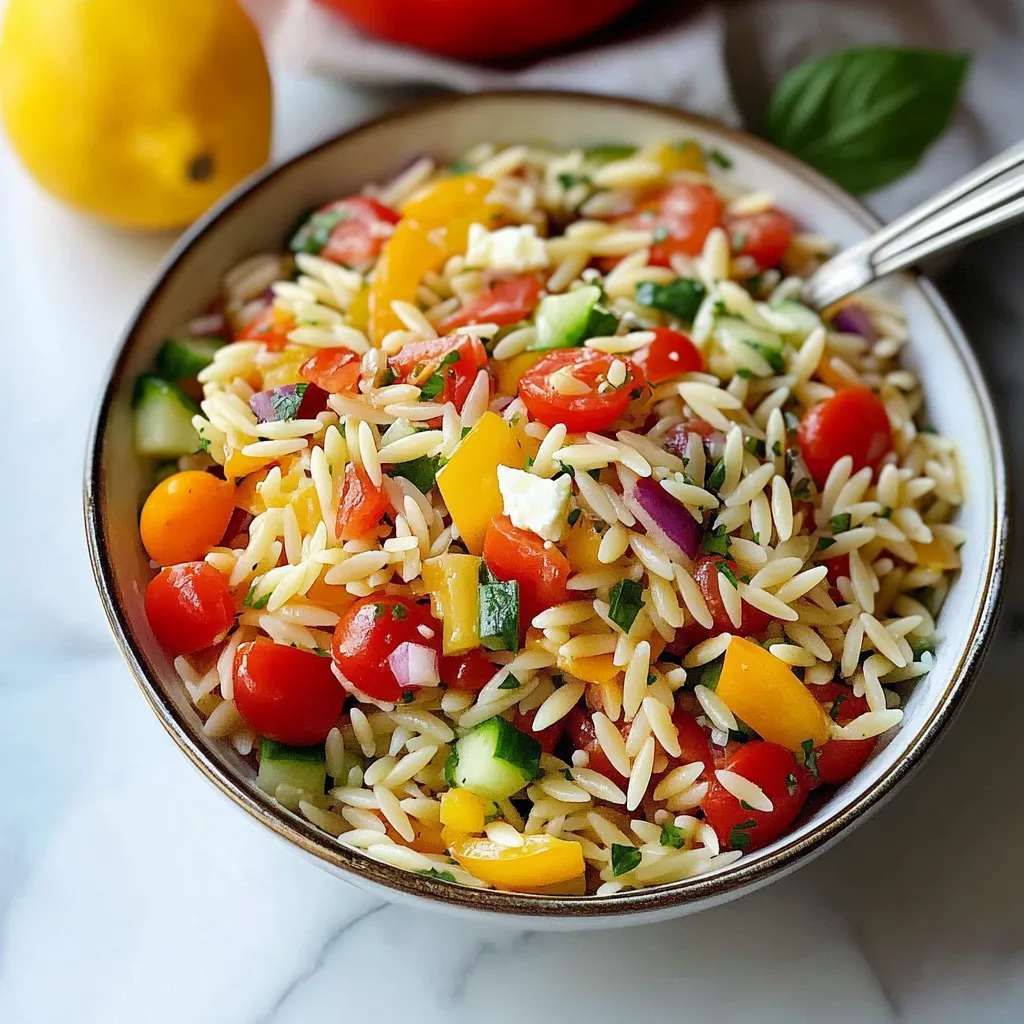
(783, 781)
(542, 572)
(677, 437)
(361, 233)
(693, 740)
(270, 326)
(189, 607)
(457, 358)
(754, 621)
(839, 760)
(837, 567)
(332, 370)
(474, 30)
(470, 671)
(505, 302)
(548, 738)
(285, 693)
(685, 213)
(593, 410)
(367, 635)
(763, 236)
(580, 728)
(670, 354)
(852, 422)
(362, 504)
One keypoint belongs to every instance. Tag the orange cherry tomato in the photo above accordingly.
(456, 358)
(189, 607)
(669, 355)
(764, 236)
(362, 504)
(506, 302)
(681, 217)
(185, 515)
(334, 370)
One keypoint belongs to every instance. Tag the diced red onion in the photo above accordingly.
(274, 404)
(414, 665)
(677, 437)
(666, 520)
(853, 319)
(210, 324)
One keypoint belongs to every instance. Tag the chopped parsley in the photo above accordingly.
(574, 516)
(810, 757)
(509, 683)
(421, 472)
(315, 231)
(672, 835)
(204, 442)
(387, 376)
(739, 240)
(825, 542)
(431, 387)
(791, 784)
(802, 489)
(755, 447)
(624, 603)
(251, 601)
(408, 696)
(379, 608)
(716, 542)
(321, 653)
(791, 421)
(717, 477)
(719, 159)
(286, 401)
(886, 513)
(833, 712)
(459, 167)
(739, 835)
(569, 471)
(723, 568)
(652, 678)
(398, 612)
(841, 523)
(659, 234)
(567, 180)
(445, 876)
(567, 775)
(624, 859)
(744, 374)
(681, 297)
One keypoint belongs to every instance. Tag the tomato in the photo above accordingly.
(693, 740)
(836, 568)
(368, 634)
(678, 436)
(764, 236)
(334, 370)
(542, 572)
(271, 326)
(786, 783)
(580, 728)
(670, 354)
(548, 738)
(685, 214)
(473, 30)
(457, 358)
(593, 410)
(359, 235)
(506, 302)
(189, 607)
(753, 622)
(185, 515)
(852, 422)
(470, 671)
(839, 760)
(285, 693)
(362, 504)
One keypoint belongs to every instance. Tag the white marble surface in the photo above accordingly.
(131, 891)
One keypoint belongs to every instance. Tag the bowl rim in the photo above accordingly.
(687, 895)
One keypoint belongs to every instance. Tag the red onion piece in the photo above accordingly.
(666, 520)
(677, 437)
(280, 403)
(853, 319)
(414, 665)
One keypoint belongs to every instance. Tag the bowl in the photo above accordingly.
(258, 215)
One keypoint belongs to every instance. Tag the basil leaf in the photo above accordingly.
(865, 116)
(624, 859)
(624, 603)
(421, 472)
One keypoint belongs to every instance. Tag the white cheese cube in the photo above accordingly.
(513, 248)
(535, 504)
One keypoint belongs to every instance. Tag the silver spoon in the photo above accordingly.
(985, 200)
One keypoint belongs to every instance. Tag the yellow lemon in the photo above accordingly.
(141, 112)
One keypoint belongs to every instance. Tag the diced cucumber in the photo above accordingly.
(804, 319)
(921, 645)
(182, 356)
(494, 760)
(304, 768)
(681, 297)
(751, 348)
(705, 675)
(564, 321)
(163, 419)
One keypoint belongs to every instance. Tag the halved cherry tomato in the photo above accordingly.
(693, 740)
(670, 354)
(593, 410)
(839, 760)
(579, 726)
(753, 621)
(764, 236)
(542, 572)
(548, 738)
(506, 302)
(681, 216)
(470, 671)
(852, 422)
(361, 233)
(678, 436)
(334, 370)
(362, 504)
(285, 693)
(837, 567)
(368, 634)
(185, 515)
(189, 607)
(785, 782)
(271, 326)
(457, 358)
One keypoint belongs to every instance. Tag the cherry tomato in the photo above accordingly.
(185, 515)
(684, 214)
(505, 302)
(839, 760)
(368, 634)
(548, 738)
(782, 780)
(670, 354)
(334, 370)
(362, 504)
(677, 437)
(580, 728)
(836, 568)
(470, 671)
(764, 236)
(285, 693)
(542, 572)
(753, 622)
(271, 326)
(189, 607)
(852, 422)
(693, 740)
(456, 358)
(364, 227)
(593, 410)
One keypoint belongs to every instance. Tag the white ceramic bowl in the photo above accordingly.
(257, 217)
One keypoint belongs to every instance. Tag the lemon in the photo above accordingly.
(141, 113)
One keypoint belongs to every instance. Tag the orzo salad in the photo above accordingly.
(525, 530)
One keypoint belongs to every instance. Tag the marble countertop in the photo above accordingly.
(131, 891)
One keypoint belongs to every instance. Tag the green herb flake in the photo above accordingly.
(777, 449)
(810, 757)
(841, 523)
(204, 443)
(716, 542)
(459, 167)
(387, 376)
(379, 608)
(791, 421)
(744, 374)
(745, 805)
(399, 612)
(754, 446)
(833, 712)
(316, 230)
(825, 542)
(624, 859)
(569, 471)
(567, 775)
(652, 678)
(739, 835)
(659, 234)
(802, 489)
(421, 472)
(408, 696)
(509, 683)
(286, 403)
(791, 784)
(444, 876)
(607, 152)
(432, 387)
(672, 836)
(723, 568)
(717, 477)
(624, 603)
(739, 241)
(886, 513)
(574, 516)
(719, 159)
(567, 180)
(321, 653)
(681, 297)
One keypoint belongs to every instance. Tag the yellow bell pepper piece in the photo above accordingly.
(937, 554)
(596, 669)
(573, 887)
(285, 368)
(510, 370)
(455, 581)
(307, 509)
(582, 545)
(462, 811)
(332, 597)
(439, 204)
(359, 311)
(764, 693)
(682, 155)
(237, 465)
(541, 860)
(468, 482)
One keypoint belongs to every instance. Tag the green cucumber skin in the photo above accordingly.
(494, 760)
(182, 358)
(562, 320)
(163, 419)
(305, 768)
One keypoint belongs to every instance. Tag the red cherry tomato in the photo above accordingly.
(542, 572)
(678, 436)
(364, 227)
(189, 607)
(763, 236)
(753, 622)
(285, 693)
(470, 671)
(852, 422)
(684, 213)
(593, 410)
(505, 302)
(836, 568)
(368, 634)
(362, 504)
(782, 780)
(548, 738)
(457, 358)
(693, 740)
(670, 354)
(580, 728)
(839, 760)
(270, 326)
(333, 370)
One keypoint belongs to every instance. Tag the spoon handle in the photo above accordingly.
(981, 202)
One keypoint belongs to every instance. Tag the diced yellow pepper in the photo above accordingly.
(359, 311)
(237, 465)
(468, 482)
(937, 554)
(307, 509)
(596, 669)
(764, 693)
(572, 887)
(463, 811)
(333, 597)
(510, 370)
(541, 860)
(582, 545)
(440, 203)
(454, 579)
(285, 368)
(682, 155)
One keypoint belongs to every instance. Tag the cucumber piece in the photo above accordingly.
(181, 357)
(163, 419)
(564, 321)
(607, 152)
(681, 297)
(494, 760)
(805, 320)
(921, 645)
(705, 675)
(750, 347)
(304, 768)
